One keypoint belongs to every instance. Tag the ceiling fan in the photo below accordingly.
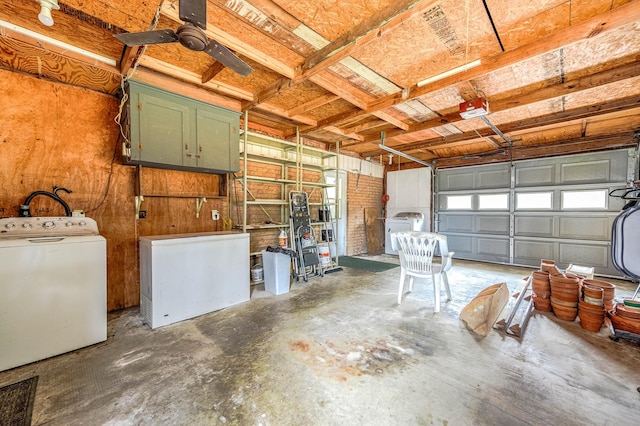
(191, 35)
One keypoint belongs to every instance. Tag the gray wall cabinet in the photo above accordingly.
(175, 132)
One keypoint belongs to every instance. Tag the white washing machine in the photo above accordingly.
(53, 287)
(403, 221)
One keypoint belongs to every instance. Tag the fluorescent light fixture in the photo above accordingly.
(45, 11)
(57, 43)
(400, 153)
(449, 73)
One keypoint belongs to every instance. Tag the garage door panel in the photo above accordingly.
(570, 225)
(534, 226)
(587, 228)
(493, 247)
(492, 224)
(585, 254)
(585, 172)
(456, 223)
(493, 179)
(461, 245)
(459, 181)
(530, 252)
(536, 175)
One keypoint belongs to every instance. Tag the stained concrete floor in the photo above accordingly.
(339, 350)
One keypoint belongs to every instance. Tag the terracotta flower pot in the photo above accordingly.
(564, 303)
(624, 324)
(568, 297)
(540, 276)
(626, 312)
(590, 324)
(607, 288)
(542, 304)
(590, 308)
(564, 313)
(592, 292)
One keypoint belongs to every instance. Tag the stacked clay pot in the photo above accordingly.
(626, 316)
(541, 291)
(565, 292)
(608, 289)
(591, 308)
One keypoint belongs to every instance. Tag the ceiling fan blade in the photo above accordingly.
(227, 58)
(147, 37)
(194, 11)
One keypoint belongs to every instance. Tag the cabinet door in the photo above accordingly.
(163, 131)
(217, 140)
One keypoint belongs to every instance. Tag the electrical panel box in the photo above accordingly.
(170, 131)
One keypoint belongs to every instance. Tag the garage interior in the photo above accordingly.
(506, 124)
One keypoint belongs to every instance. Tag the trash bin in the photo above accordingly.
(276, 272)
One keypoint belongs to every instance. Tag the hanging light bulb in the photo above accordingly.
(390, 159)
(45, 11)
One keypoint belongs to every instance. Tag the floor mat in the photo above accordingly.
(365, 265)
(16, 402)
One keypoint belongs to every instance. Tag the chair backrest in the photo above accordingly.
(443, 248)
(416, 249)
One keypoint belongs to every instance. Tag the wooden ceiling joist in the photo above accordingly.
(269, 92)
(538, 123)
(313, 104)
(591, 81)
(212, 71)
(384, 21)
(236, 44)
(573, 146)
(593, 27)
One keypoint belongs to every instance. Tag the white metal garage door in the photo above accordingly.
(553, 208)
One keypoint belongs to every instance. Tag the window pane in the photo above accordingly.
(458, 202)
(596, 199)
(534, 200)
(493, 201)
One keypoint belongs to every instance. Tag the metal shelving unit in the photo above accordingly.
(294, 159)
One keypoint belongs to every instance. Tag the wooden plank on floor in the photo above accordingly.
(374, 230)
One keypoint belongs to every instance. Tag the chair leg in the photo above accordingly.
(402, 277)
(445, 280)
(436, 291)
(411, 282)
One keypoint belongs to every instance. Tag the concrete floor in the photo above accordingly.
(339, 350)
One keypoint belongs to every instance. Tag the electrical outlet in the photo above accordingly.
(215, 215)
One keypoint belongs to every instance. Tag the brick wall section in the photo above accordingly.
(369, 194)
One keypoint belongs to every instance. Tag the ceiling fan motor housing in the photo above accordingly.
(192, 37)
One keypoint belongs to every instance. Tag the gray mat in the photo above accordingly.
(365, 265)
(16, 402)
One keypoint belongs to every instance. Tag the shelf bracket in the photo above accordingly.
(199, 202)
(139, 200)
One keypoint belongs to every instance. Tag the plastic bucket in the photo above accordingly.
(256, 273)
(323, 253)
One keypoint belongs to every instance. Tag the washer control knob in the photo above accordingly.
(10, 225)
(69, 224)
(49, 224)
(83, 223)
(26, 226)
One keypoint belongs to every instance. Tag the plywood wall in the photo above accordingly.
(56, 134)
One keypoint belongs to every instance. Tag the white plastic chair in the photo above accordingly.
(416, 251)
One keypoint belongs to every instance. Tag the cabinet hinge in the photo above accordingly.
(139, 106)
(140, 147)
